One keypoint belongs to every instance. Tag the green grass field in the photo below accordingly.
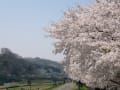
(34, 86)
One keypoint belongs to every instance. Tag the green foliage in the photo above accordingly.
(81, 88)
(84, 88)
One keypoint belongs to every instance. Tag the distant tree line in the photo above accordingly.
(16, 68)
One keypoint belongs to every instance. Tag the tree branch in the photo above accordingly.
(118, 83)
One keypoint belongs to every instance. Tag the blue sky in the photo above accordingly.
(22, 23)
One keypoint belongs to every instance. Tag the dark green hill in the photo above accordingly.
(16, 68)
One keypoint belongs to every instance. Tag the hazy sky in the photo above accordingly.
(22, 23)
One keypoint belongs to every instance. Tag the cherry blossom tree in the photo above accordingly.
(89, 38)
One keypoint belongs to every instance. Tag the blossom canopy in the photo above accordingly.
(89, 38)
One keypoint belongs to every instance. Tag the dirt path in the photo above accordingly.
(68, 86)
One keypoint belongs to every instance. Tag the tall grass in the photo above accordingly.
(81, 88)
